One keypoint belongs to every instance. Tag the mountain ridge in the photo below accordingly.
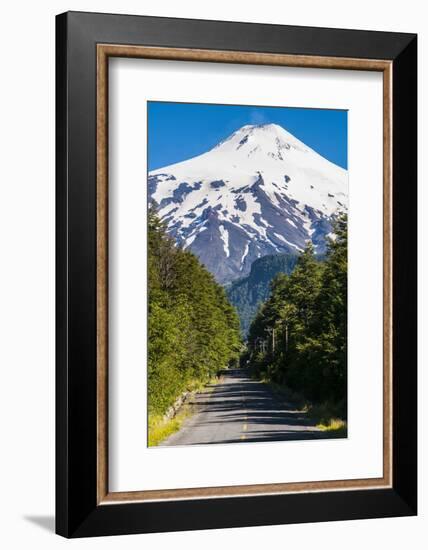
(248, 293)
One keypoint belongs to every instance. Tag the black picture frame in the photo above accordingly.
(77, 511)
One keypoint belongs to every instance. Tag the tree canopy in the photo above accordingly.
(299, 335)
(193, 329)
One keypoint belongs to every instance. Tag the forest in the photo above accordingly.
(299, 335)
(193, 329)
(297, 339)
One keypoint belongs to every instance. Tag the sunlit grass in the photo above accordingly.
(335, 427)
(329, 418)
(160, 428)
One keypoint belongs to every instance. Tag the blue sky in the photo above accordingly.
(179, 131)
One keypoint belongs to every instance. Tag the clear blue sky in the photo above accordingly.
(179, 131)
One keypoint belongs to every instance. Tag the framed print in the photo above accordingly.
(236, 274)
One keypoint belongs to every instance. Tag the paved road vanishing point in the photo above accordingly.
(240, 409)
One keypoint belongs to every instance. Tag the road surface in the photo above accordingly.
(240, 409)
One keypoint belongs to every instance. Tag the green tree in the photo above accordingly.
(193, 329)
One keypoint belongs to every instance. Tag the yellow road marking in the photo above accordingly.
(245, 426)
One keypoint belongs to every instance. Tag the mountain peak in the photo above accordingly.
(260, 191)
(268, 139)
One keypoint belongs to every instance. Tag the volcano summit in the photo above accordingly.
(260, 191)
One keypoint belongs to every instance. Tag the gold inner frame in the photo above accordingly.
(104, 51)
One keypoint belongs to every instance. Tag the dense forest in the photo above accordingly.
(193, 329)
(248, 293)
(299, 335)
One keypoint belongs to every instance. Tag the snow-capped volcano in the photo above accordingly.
(260, 191)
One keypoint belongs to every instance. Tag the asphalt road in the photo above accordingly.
(240, 409)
